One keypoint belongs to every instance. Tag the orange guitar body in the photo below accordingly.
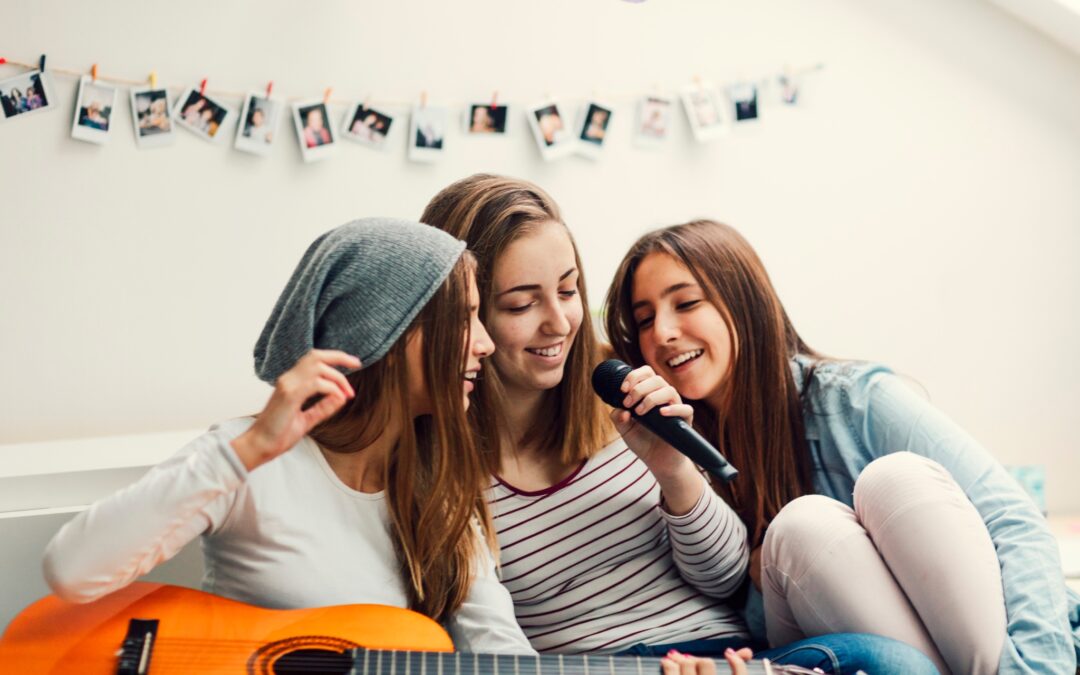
(200, 633)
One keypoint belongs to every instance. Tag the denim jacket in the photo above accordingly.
(857, 412)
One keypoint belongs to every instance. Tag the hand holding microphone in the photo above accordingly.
(672, 428)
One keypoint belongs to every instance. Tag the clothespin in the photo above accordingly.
(153, 79)
(423, 100)
(269, 88)
(202, 87)
(326, 94)
(2, 60)
(41, 63)
(494, 100)
(93, 73)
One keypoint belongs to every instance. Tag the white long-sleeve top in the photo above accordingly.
(595, 563)
(288, 534)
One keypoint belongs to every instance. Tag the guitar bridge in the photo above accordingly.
(137, 648)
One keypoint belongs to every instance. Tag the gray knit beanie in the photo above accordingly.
(357, 289)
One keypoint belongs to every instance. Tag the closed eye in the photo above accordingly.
(644, 322)
(519, 310)
(568, 294)
(689, 304)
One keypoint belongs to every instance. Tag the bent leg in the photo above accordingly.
(821, 574)
(940, 552)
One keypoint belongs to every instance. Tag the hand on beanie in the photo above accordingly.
(284, 421)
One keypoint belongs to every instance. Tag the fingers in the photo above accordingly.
(736, 660)
(338, 378)
(683, 410)
(635, 376)
(675, 663)
(745, 653)
(334, 357)
(651, 393)
(622, 421)
(332, 400)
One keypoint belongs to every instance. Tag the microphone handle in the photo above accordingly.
(678, 434)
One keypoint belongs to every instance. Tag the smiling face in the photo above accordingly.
(477, 346)
(537, 310)
(681, 333)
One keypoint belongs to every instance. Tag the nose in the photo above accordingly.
(665, 327)
(556, 322)
(483, 346)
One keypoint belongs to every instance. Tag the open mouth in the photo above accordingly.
(547, 352)
(685, 357)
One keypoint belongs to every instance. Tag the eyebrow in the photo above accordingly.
(535, 287)
(666, 292)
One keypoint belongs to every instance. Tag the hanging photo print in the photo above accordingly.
(592, 134)
(789, 86)
(316, 140)
(551, 130)
(654, 116)
(704, 111)
(25, 94)
(201, 115)
(367, 126)
(486, 119)
(259, 121)
(427, 133)
(152, 117)
(744, 99)
(93, 111)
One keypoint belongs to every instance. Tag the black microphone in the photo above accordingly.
(607, 380)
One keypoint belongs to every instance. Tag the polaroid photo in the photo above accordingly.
(655, 114)
(551, 130)
(316, 139)
(93, 111)
(201, 115)
(484, 119)
(152, 117)
(26, 94)
(593, 128)
(789, 86)
(744, 101)
(260, 119)
(427, 133)
(367, 126)
(705, 111)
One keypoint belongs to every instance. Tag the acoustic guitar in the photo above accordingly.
(156, 629)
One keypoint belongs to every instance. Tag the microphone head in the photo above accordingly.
(606, 380)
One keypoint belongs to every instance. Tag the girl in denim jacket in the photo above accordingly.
(869, 510)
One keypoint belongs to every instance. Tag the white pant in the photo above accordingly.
(913, 562)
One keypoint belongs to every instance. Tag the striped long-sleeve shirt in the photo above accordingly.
(594, 563)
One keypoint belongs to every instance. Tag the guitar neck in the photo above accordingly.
(376, 662)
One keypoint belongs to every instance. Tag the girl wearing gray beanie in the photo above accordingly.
(359, 481)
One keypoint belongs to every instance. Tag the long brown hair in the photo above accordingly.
(490, 213)
(435, 475)
(760, 426)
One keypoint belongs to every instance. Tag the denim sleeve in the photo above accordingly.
(890, 417)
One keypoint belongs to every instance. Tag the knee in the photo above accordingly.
(890, 484)
(802, 526)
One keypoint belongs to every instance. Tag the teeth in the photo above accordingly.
(684, 357)
(471, 375)
(547, 351)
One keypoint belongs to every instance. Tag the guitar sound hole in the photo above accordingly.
(312, 662)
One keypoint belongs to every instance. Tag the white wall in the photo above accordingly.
(921, 208)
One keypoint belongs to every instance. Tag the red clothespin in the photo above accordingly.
(2, 60)
(326, 95)
(423, 100)
(269, 88)
(41, 63)
(202, 87)
(93, 73)
(494, 100)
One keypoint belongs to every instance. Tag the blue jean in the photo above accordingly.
(838, 654)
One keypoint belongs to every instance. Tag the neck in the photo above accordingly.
(523, 410)
(363, 469)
